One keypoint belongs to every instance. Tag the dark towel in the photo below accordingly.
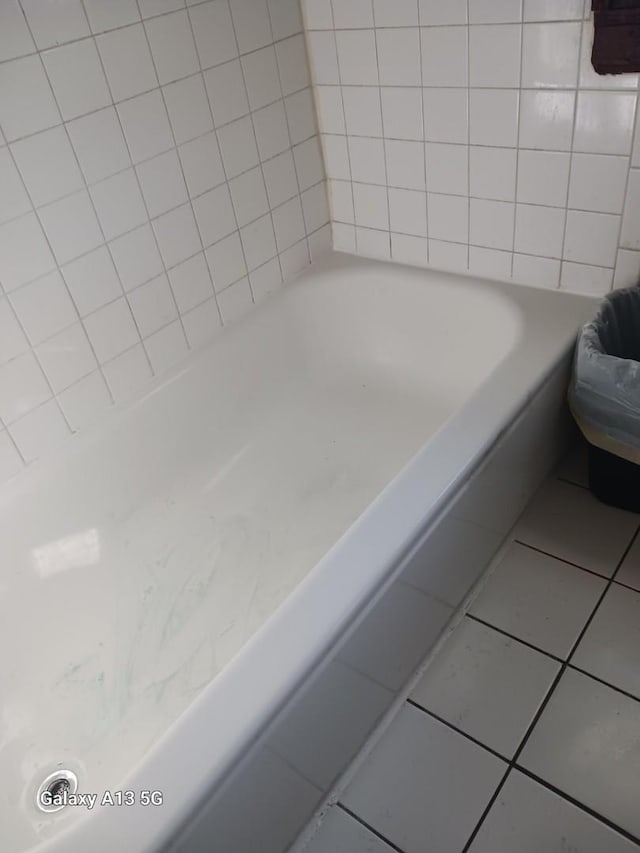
(616, 41)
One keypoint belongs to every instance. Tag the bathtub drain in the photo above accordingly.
(52, 793)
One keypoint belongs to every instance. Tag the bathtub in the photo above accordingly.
(215, 595)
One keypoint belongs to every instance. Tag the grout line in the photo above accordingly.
(517, 148)
(529, 645)
(368, 826)
(468, 121)
(384, 143)
(455, 729)
(561, 559)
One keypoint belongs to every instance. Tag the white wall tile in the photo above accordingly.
(48, 166)
(493, 117)
(153, 305)
(272, 132)
(266, 279)
(238, 147)
(213, 31)
(167, 347)
(10, 460)
(315, 207)
(447, 168)
(448, 217)
(172, 46)
(13, 199)
(119, 204)
(539, 230)
(543, 177)
(251, 20)
(372, 243)
(553, 10)
(149, 8)
(401, 112)
(227, 92)
(111, 329)
(546, 119)
(336, 157)
(367, 160)
(53, 24)
(188, 108)
(444, 56)
(604, 122)
(27, 104)
(318, 14)
(491, 223)
(357, 57)
(99, 144)
(494, 11)
(226, 262)
(445, 115)
(92, 281)
(598, 182)
(323, 58)
(202, 323)
(592, 238)
(301, 115)
(235, 301)
(627, 272)
(489, 263)
(260, 71)
(630, 236)
(494, 56)
(405, 164)
(201, 164)
(110, 16)
(258, 242)
(581, 278)
(356, 14)
(550, 54)
(288, 224)
(136, 257)
(294, 259)
(66, 357)
(177, 235)
(127, 61)
(215, 215)
(434, 12)
(370, 206)
(22, 387)
(408, 212)
(146, 126)
(399, 56)
(15, 38)
(362, 110)
(43, 307)
(344, 237)
(448, 256)
(12, 339)
(249, 196)
(127, 374)
(24, 252)
(536, 271)
(292, 64)
(492, 173)
(77, 78)
(409, 250)
(191, 283)
(162, 183)
(400, 13)
(86, 401)
(280, 178)
(341, 199)
(40, 431)
(286, 17)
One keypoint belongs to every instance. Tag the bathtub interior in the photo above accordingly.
(137, 565)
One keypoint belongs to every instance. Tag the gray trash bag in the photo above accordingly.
(604, 395)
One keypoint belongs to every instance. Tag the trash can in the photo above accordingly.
(604, 398)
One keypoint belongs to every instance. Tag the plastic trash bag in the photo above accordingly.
(604, 395)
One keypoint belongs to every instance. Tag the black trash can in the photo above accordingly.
(604, 397)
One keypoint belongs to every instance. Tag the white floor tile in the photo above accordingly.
(609, 648)
(424, 786)
(487, 685)
(586, 745)
(528, 818)
(574, 466)
(629, 572)
(539, 599)
(571, 524)
(340, 833)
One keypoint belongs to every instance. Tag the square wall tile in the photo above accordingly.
(172, 46)
(202, 323)
(493, 117)
(537, 272)
(249, 196)
(166, 347)
(127, 374)
(546, 119)
(352, 14)
(10, 460)
(495, 11)
(188, 108)
(86, 401)
(77, 78)
(487, 685)
(14, 200)
(543, 177)
(367, 161)
(43, 307)
(280, 178)
(436, 13)
(27, 104)
(235, 301)
(99, 144)
(12, 339)
(539, 230)
(146, 126)
(448, 217)
(550, 55)
(493, 172)
(409, 250)
(162, 183)
(252, 24)
(226, 262)
(399, 56)
(405, 164)
(238, 147)
(627, 268)
(538, 599)
(582, 278)
(318, 14)
(152, 305)
(92, 281)
(52, 25)
(598, 182)
(585, 745)
(293, 64)
(191, 283)
(136, 257)
(177, 235)
(213, 31)
(301, 115)
(48, 166)
(111, 16)
(362, 110)
(490, 263)
(286, 18)
(401, 112)
(215, 215)
(494, 56)
(553, 10)
(40, 431)
(370, 206)
(323, 58)
(444, 56)
(22, 387)
(448, 256)
(401, 13)
(272, 133)
(261, 77)
(66, 357)
(630, 236)
(408, 212)
(445, 115)
(592, 238)
(119, 204)
(447, 168)
(111, 330)
(258, 242)
(71, 226)
(491, 223)
(418, 754)
(227, 92)
(24, 252)
(288, 223)
(201, 164)
(570, 523)
(127, 62)
(357, 57)
(15, 38)
(604, 122)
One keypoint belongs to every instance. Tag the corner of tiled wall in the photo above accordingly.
(473, 135)
(160, 171)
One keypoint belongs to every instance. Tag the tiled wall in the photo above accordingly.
(474, 135)
(159, 172)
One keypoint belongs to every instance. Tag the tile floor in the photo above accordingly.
(523, 733)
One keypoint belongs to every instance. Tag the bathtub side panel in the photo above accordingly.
(330, 717)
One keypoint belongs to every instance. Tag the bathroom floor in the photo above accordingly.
(523, 733)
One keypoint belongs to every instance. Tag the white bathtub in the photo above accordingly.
(239, 571)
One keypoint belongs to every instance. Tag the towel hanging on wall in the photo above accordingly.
(616, 40)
